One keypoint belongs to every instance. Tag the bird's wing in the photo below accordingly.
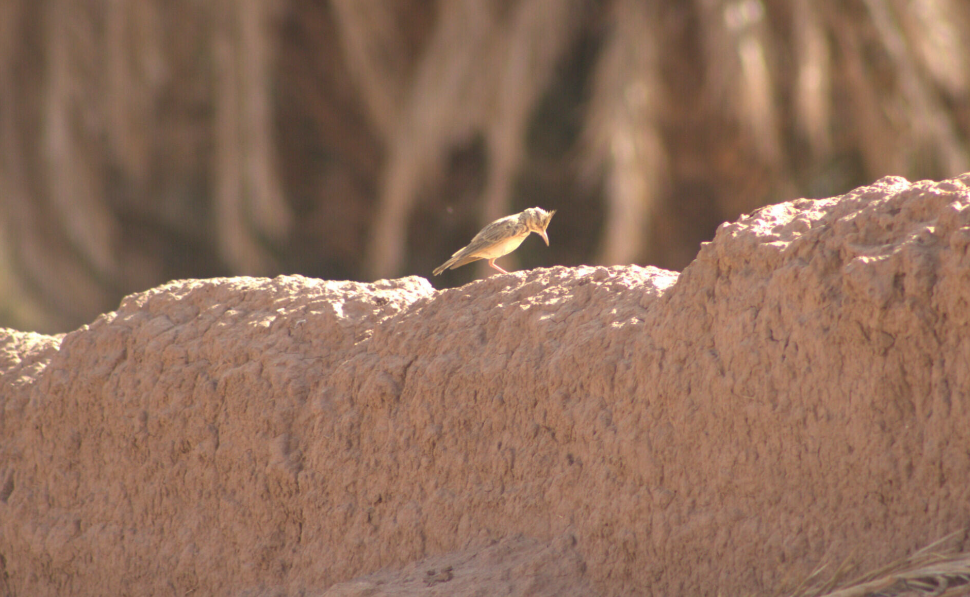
(495, 232)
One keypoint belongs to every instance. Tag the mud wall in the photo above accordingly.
(800, 393)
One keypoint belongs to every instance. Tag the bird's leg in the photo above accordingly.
(491, 263)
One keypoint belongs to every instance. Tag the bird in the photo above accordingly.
(501, 237)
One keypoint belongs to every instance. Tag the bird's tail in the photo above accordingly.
(444, 266)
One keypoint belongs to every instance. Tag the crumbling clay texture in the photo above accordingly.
(799, 395)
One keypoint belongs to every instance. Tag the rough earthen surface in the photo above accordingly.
(800, 393)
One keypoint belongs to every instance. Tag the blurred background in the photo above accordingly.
(149, 140)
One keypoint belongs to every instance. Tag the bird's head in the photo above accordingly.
(537, 220)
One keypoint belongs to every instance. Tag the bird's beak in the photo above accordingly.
(545, 237)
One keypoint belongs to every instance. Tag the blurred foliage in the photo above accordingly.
(142, 141)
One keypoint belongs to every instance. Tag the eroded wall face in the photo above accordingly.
(799, 393)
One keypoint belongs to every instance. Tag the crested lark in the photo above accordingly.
(501, 237)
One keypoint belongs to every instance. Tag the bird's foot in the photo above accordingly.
(491, 263)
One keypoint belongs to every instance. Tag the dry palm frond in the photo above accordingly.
(378, 57)
(898, 106)
(104, 113)
(443, 102)
(929, 124)
(524, 54)
(881, 145)
(75, 162)
(247, 189)
(737, 38)
(937, 30)
(139, 141)
(814, 76)
(60, 233)
(931, 571)
(468, 81)
(134, 79)
(623, 136)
